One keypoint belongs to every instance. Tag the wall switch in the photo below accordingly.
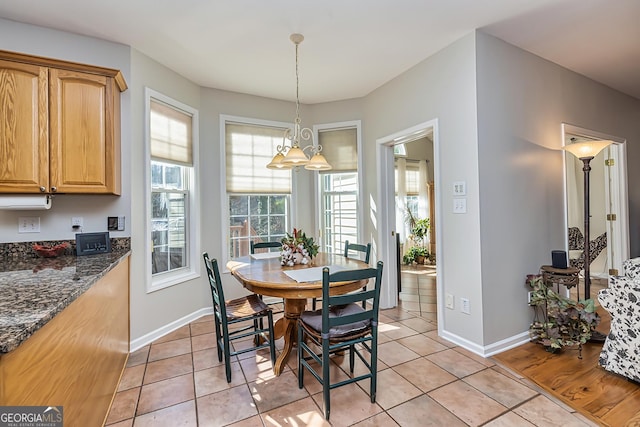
(29, 224)
(460, 205)
(459, 188)
(448, 301)
(529, 295)
(464, 306)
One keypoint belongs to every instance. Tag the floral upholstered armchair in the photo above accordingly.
(621, 350)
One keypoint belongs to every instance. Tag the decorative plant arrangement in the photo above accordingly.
(563, 322)
(419, 229)
(297, 248)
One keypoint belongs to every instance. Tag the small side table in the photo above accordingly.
(568, 277)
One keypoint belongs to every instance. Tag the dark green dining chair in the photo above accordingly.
(264, 245)
(268, 246)
(248, 310)
(339, 325)
(364, 251)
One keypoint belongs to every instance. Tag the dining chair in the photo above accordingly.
(240, 310)
(341, 324)
(264, 245)
(268, 245)
(348, 248)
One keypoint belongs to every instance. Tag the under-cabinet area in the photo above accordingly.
(59, 126)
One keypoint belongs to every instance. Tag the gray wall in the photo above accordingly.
(441, 87)
(522, 102)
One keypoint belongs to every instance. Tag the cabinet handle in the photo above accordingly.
(54, 189)
(42, 189)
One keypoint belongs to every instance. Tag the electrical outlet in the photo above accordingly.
(448, 301)
(29, 224)
(464, 306)
(76, 222)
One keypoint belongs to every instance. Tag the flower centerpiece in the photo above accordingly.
(297, 248)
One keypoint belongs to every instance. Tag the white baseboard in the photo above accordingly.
(170, 327)
(491, 349)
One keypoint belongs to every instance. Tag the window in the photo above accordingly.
(259, 199)
(340, 216)
(172, 127)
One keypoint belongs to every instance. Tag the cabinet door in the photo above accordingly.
(85, 155)
(24, 126)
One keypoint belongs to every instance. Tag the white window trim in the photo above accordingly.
(224, 118)
(192, 271)
(357, 124)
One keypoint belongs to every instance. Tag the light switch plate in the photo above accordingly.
(460, 188)
(460, 205)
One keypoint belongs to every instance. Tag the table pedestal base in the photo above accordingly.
(287, 327)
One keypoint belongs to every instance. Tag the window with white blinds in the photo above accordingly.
(249, 148)
(340, 148)
(170, 134)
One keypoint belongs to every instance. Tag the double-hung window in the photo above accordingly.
(259, 199)
(340, 215)
(172, 127)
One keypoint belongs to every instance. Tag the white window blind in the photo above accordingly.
(170, 131)
(340, 148)
(248, 150)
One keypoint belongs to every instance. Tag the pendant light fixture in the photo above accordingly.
(293, 155)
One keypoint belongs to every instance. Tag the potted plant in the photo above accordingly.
(417, 254)
(562, 321)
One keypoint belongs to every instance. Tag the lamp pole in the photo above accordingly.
(587, 245)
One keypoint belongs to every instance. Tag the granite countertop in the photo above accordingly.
(34, 290)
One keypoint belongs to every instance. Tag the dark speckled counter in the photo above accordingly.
(34, 290)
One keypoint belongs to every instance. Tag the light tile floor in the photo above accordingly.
(422, 380)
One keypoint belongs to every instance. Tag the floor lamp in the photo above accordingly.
(586, 151)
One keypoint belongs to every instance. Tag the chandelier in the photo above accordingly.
(293, 155)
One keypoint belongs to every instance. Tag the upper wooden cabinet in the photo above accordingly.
(59, 126)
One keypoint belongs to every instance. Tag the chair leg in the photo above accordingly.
(218, 338)
(256, 337)
(300, 355)
(272, 343)
(326, 381)
(374, 366)
(352, 357)
(227, 355)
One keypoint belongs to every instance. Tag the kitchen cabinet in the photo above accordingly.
(59, 126)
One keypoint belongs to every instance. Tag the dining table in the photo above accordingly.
(263, 274)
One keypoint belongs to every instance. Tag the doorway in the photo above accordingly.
(608, 205)
(396, 198)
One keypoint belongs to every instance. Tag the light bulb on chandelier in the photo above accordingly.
(293, 155)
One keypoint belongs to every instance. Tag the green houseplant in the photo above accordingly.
(416, 254)
(560, 321)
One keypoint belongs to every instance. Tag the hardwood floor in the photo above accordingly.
(602, 396)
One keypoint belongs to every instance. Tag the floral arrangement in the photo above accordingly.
(297, 248)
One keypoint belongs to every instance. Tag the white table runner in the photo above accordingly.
(312, 274)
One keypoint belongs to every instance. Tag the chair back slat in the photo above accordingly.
(264, 245)
(215, 284)
(358, 247)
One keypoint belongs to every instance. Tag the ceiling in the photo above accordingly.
(351, 47)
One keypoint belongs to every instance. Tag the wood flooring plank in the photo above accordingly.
(582, 384)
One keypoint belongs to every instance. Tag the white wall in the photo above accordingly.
(522, 102)
(55, 224)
